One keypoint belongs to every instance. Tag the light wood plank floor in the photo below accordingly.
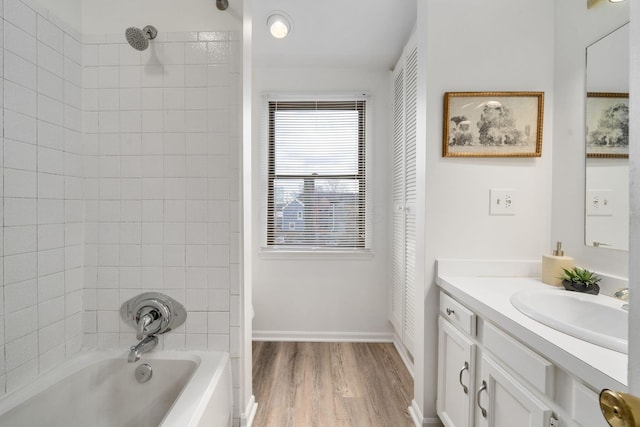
(330, 385)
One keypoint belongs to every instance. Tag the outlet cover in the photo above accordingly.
(599, 202)
(502, 202)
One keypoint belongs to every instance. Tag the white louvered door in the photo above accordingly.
(410, 291)
(397, 298)
(404, 292)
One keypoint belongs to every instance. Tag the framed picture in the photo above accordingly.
(493, 124)
(607, 117)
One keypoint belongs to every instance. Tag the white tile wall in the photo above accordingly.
(161, 155)
(42, 194)
(118, 175)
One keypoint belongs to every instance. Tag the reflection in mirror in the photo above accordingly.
(607, 135)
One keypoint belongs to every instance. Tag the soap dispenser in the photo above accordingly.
(552, 266)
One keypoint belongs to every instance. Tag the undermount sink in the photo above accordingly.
(597, 319)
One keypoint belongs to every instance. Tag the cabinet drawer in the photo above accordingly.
(535, 369)
(458, 314)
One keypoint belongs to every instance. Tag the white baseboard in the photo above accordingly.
(416, 414)
(314, 336)
(419, 420)
(404, 355)
(249, 413)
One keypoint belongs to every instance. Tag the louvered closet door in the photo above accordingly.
(404, 292)
(397, 291)
(410, 291)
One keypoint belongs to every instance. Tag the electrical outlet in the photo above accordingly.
(599, 202)
(502, 202)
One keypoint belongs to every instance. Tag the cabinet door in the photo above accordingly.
(456, 376)
(501, 401)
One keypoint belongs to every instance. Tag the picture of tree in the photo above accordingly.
(497, 126)
(607, 116)
(613, 127)
(493, 124)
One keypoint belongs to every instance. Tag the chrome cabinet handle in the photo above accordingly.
(480, 390)
(464, 368)
(450, 311)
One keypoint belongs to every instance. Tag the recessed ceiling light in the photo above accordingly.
(616, 1)
(279, 25)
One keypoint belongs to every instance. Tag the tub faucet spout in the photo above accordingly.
(144, 346)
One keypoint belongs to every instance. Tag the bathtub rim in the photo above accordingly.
(191, 403)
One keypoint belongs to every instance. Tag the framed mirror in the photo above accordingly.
(607, 141)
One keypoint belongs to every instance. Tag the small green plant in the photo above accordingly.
(581, 275)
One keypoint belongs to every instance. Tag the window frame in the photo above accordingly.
(347, 103)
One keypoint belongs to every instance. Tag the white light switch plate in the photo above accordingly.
(502, 202)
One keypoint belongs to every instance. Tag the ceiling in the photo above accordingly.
(346, 33)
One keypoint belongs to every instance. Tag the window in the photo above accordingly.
(316, 174)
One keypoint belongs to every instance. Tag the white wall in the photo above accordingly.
(576, 28)
(100, 16)
(465, 45)
(161, 186)
(308, 297)
(42, 252)
(67, 11)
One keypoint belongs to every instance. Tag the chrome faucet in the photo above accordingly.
(622, 294)
(147, 344)
(151, 314)
(148, 322)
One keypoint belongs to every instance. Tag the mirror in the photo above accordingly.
(607, 142)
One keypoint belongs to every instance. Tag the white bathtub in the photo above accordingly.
(98, 389)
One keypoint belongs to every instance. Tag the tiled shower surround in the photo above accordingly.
(161, 185)
(121, 173)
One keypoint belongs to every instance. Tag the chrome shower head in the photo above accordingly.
(139, 38)
(222, 4)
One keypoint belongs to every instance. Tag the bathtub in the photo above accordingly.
(98, 388)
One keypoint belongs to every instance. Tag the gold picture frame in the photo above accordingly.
(493, 124)
(607, 125)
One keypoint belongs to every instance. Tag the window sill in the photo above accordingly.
(316, 254)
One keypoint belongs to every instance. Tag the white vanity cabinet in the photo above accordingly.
(456, 376)
(502, 401)
(475, 389)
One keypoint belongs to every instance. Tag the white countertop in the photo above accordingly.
(489, 297)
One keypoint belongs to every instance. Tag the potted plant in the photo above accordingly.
(581, 280)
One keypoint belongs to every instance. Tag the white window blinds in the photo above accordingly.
(316, 174)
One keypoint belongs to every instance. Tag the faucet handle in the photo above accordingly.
(143, 322)
(153, 313)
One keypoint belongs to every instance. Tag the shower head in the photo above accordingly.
(139, 38)
(222, 4)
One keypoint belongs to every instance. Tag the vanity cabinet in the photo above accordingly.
(502, 401)
(456, 376)
(475, 388)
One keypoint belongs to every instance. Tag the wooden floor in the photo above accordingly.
(330, 385)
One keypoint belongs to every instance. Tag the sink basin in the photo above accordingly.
(598, 319)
